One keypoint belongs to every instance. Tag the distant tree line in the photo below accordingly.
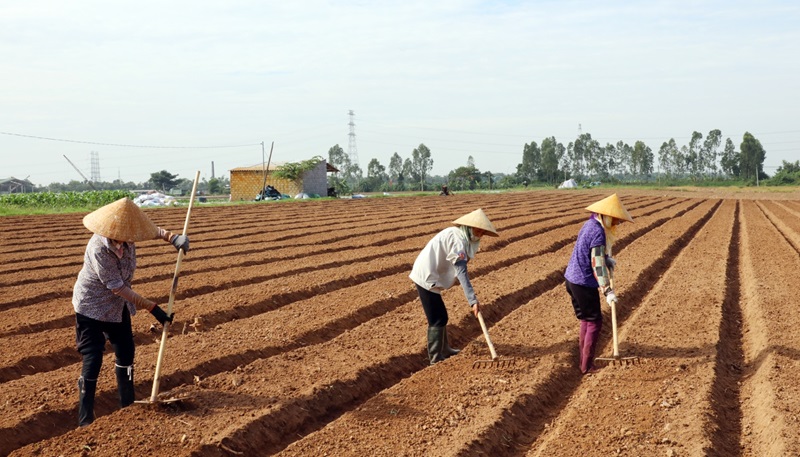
(162, 181)
(584, 160)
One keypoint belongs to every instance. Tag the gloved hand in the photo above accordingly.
(611, 298)
(181, 242)
(161, 316)
(611, 263)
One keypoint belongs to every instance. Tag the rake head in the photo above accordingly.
(619, 360)
(494, 363)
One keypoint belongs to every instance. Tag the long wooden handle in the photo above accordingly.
(614, 329)
(173, 289)
(486, 335)
(613, 320)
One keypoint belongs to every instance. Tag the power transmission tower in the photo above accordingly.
(352, 151)
(95, 173)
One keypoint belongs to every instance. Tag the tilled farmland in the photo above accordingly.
(298, 333)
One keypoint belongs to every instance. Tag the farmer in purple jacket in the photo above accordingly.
(589, 271)
(104, 301)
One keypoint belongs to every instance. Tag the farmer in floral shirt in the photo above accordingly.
(104, 301)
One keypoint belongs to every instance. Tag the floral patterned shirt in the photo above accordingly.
(102, 272)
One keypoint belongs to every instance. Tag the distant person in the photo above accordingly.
(445, 191)
(442, 261)
(589, 271)
(104, 301)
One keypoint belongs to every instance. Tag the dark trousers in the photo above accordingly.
(90, 337)
(434, 308)
(585, 302)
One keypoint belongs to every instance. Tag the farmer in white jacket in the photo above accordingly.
(442, 261)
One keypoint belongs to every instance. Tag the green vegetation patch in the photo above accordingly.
(55, 202)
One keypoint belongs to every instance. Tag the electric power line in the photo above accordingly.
(127, 145)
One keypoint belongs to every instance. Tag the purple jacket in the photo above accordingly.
(579, 269)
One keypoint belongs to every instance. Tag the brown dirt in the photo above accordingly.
(313, 340)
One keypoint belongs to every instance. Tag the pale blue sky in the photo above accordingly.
(463, 77)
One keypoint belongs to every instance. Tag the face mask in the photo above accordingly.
(472, 236)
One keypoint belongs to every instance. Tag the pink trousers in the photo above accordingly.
(587, 341)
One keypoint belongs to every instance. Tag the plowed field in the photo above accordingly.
(311, 337)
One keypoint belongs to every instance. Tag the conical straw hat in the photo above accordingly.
(121, 220)
(611, 206)
(477, 219)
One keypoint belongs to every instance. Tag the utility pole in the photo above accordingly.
(352, 151)
(95, 170)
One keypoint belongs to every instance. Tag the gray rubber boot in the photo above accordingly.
(448, 351)
(86, 390)
(436, 344)
(125, 384)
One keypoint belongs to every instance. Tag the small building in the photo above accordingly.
(247, 182)
(13, 185)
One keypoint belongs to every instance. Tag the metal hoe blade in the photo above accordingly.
(494, 363)
(615, 357)
(617, 360)
(166, 401)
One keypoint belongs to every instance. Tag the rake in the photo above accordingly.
(495, 362)
(615, 357)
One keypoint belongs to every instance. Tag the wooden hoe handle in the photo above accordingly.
(165, 331)
(486, 335)
(613, 321)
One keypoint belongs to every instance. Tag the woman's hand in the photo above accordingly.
(476, 308)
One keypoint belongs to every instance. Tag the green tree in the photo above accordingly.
(338, 158)
(467, 177)
(164, 180)
(422, 163)
(751, 158)
(693, 155)
(641, 159)
(376, 176)
(214, 186)
(395, 169)
(407, 174)
(528, 170)
(594, 155)
(789, 167)
(341, 161)
(709, 151)
(729, 161)
(610, 161)
(552, 151)
(787, 174)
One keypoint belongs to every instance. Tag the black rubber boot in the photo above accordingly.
(125, 384)
(448, 351)
(86, 390)
(436, 344)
